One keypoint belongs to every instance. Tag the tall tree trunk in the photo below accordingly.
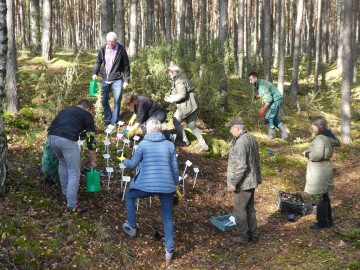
(203, 38)
(120, 21)
(340, 48)
(277, 34)
(12, 98)
(310, 39)
(267, 40)
(162, 25)
(318, 46)
(189, 29)
(180, 19)
(3, 51)
(324, 43)
(104, 20)
(241, 39)
(58, 25)
(346, 73)
(22, 24)
(35, 23)
(168, 24)
(281, 48)
(72, 26)
(149, 22)
(46, 32)
(256, 27)
(248, 36)
(297, 51)
(133, 28)
(355, 38)
(223, 36)
(335, 36)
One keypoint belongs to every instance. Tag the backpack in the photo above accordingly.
(49, 165)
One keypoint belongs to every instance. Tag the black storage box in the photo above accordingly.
(291, 203)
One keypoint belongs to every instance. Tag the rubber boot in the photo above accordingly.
(284, 134)
(271, 133)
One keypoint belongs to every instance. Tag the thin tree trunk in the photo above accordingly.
(35, 23)
(223, 35)
(324, 44)
(11, 64)
(162, 26)
(267, 40)
(277, 34)
(310, 39)
(248, 36)
(335, 37)
(318, 47)
(72, 27)
(58, 30)
(119, 25)
(3, 51)
(241, 39)
(149, 22)
(168, 24)
(133, 28)
(340, 48)
(346, 73)
(355, 39)
(281, 48)
(22, 24)
(46, 32)
(297, 51)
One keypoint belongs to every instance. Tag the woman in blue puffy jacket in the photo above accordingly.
(158, 175)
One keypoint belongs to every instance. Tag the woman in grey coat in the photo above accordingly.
(319, 172)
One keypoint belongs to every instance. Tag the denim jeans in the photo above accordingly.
(191, 122)
(245, 217)
(68, 153)
(166, 200)
(116, 87)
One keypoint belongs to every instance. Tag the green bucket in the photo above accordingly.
(93, 89)
(93, 181)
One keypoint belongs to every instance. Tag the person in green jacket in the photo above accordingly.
(187, 107)
(273, 101)
(319, 172)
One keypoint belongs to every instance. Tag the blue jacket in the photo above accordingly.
(159, 170)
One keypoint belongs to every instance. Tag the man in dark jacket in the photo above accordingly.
(187, 107)
(63, 134)
(115, 73)
(243, 176)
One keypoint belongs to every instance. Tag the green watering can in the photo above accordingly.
(93, 89)
(93, 181)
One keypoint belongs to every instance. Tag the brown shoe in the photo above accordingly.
(239, 241)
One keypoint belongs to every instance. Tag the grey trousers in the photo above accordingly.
(245, 217)
(68, 153)
(191, 122)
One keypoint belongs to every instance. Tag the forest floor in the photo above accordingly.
(36, 234)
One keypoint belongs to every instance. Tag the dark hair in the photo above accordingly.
(320, 122)
(85, 104)
(128, 99)
(253, 73)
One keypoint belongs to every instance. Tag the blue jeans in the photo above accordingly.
(272, 114)
(116, 87)
(68, 153)
(166, 200)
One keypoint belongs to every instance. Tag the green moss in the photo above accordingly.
(266, 171)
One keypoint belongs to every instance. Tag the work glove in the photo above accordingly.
(262, 112)
(132, 131)
(94, 77)
(132, 120)
(257, 97)
(121, 158)
(168, 99)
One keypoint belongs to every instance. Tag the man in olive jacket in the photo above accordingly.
(187, 107)
(243, 176)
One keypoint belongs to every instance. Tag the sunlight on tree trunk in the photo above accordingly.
(12, 98)
(346, 74)
(46, 32)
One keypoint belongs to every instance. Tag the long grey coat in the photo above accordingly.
(319, 172)
(244, 163)
(182, 93)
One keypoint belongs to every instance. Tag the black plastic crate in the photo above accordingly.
(291, 203)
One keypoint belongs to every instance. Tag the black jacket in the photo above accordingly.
(120, 69)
